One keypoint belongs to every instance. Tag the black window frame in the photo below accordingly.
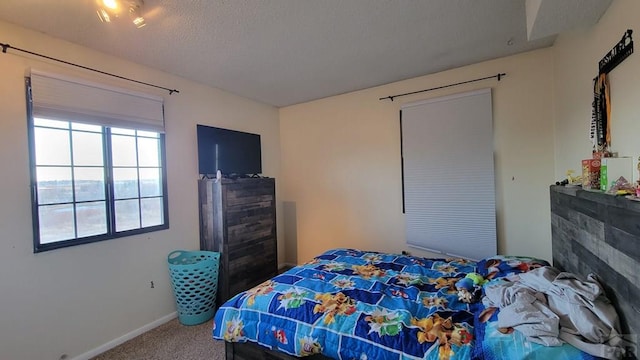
(110, 199)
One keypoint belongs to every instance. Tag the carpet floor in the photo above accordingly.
(170, 341)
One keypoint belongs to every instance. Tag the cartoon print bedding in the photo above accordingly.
(351, 304)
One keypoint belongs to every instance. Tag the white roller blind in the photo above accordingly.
(448, 174)
(70, 99)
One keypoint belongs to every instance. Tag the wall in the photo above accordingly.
(75, 300)
(341, 159)
(338, 172)
(576, 57)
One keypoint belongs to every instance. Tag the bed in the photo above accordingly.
(353, 304)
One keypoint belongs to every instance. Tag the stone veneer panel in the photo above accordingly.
(593, 232)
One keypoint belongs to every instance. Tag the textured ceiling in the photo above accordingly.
(283, 52)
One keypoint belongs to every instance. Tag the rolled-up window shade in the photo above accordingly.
(70, 99)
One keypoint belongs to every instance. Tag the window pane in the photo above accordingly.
(125, 183)
(152, 212)
(92, 218)
(123, 149)
(148, 152)
(51, 123)
(52, 147)
(54, 185)
(86, 127)
(150, 182)
(87, 149)
(127, 215)
(89, 183)
(56, 223)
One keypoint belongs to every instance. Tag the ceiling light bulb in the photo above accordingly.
(111, 4)
(111, 10)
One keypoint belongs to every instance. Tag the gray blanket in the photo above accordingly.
(551, 307)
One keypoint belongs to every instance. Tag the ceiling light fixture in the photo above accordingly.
(109, 10)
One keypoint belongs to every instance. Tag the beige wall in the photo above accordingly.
(73, 300)
(341, 159)
(576, 56)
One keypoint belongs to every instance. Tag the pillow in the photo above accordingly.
(503, 265)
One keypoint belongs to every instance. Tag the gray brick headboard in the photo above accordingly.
(598, 233)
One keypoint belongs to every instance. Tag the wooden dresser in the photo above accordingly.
(238, 219)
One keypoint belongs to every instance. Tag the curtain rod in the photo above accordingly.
(391, 97)
(7, 46)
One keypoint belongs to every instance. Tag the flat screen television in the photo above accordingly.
(234, 153)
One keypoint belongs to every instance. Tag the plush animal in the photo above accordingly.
(470, 288)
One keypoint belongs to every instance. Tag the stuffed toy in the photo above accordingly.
(470, 288)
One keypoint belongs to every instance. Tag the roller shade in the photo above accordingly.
(448, 175)
(70, 99)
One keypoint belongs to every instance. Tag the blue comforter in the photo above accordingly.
(351, 304)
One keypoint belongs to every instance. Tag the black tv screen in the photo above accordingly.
(232, 152)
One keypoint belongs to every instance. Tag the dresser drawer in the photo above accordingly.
(247, 213)
(249, 193)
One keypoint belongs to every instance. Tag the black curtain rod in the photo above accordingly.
(7, 46)
(391, 97)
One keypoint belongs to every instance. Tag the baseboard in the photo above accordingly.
(128, 336)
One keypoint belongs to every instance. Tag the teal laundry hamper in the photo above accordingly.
(194, 278)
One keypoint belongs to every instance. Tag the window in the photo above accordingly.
(93, 181)
(448, 174)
